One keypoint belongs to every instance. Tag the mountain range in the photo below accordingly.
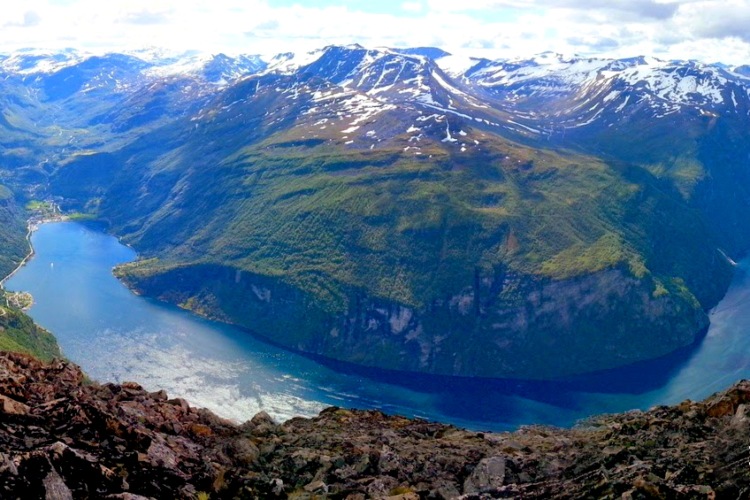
(401, 209)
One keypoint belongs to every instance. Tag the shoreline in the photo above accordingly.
(31, 226)
(431, 384)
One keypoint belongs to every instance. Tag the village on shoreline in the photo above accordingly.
(40, 212)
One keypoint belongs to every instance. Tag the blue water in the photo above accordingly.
(116, 336)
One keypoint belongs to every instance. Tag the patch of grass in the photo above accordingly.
(18, 333)
(81, 217)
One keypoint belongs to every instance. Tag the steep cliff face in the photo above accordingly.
(63, 438)
(506, 325)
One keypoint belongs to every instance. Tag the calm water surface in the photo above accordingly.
(117, 336)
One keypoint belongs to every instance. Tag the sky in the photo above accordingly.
(706, 30)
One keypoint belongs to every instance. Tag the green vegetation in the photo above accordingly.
(331, 233)
(13, 244)
(81, 217)
(406, 229)
(38, 206)
(18, 333)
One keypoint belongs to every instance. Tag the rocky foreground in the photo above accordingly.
(62, 437)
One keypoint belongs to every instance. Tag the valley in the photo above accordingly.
(117, 336)
(405, 210)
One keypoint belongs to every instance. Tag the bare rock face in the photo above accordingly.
(63, 438)
(507, 325)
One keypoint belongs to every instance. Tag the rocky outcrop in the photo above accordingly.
(506, 325)
(63, 437)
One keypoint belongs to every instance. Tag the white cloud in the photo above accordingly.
(412, 6)
(701, 29)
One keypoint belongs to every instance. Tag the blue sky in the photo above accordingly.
(707, 30)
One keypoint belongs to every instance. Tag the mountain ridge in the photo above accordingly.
(431, 217)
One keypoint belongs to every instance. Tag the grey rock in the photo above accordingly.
(488, 474)
(55, 488)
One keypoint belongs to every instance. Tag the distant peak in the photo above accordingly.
(351, 46)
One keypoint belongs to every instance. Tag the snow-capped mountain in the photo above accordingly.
(547, 96)
(577, 92)
(519, 83)
(34, 61)
(61, 74)
(219, 69)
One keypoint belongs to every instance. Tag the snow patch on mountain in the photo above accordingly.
(219, 68)
(456, 66)
(33, 61)
(682, 84)
(288, 63)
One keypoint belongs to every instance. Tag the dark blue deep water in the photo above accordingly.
(116, 336)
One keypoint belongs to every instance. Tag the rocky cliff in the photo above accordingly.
(505, 325)
(62, 437)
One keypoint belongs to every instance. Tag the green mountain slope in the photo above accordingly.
(18, 333)
(13, 244)
(497, 259)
